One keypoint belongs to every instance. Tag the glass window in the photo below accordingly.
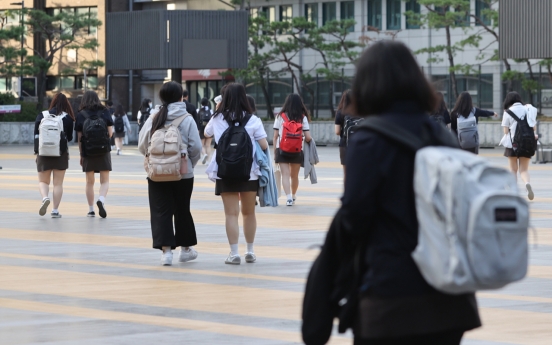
(328, 12)
(348, 12)
(5, 84)
(52, 83)
(67, 82)
(393, 14)
(269, 13)
(286, 13)
(480, 7)
(413, 6)
(311, 13)
(374, 13)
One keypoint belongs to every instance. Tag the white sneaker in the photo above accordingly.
(250, 257)
(289, 202)
(204, 160)
(530, 194)
(44, 206)
(55, 214)
(233, 259)
(187, 255)
(118, 152)
(166, 258)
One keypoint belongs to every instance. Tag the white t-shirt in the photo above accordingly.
(279, 123)
(508, 121)
(254, 128)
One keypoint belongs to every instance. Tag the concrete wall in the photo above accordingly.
(323, 133)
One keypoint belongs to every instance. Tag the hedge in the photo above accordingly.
(28, 110)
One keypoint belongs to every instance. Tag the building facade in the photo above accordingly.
(386, 19)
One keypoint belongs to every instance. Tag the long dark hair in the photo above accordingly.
(234, 103)
(144, 108)
(252, 104)
(170, 92)
(91, 101)
(61, 104)
(511, 98)
(294, 108)
(441, 107)
(345, 101)
(119, 111)
(204, 102)
(388, 73)
(463, 106)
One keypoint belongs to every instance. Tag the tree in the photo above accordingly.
(11, 52)
(447, 15)
(58, 31)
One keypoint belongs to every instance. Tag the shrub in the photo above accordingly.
(28, 110)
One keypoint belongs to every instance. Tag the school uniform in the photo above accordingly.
(126, 124)
(340, 120)
(94, 163)
(216, 127)
(44, 163)
(379, 209)
(508, 121)
(171, 200)
(292, 158)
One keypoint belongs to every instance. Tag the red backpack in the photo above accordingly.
(291, 139)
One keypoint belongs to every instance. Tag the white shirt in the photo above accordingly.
(279, 123)
(218, 125)
(508, 121)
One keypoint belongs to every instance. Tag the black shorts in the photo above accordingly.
(290, 158)
(229, 186)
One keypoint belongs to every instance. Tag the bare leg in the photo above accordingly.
(203, 147)
(59, 175)
(90, 187)
(285, 169)
(44, 183)
(104, 183)
(207, 146)
(294, 177)
(231, 212)
(513, 165)
(119, 143)
(524, 169)
(248, 212)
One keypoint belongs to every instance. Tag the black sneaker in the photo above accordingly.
(91, 214)
(101, 209)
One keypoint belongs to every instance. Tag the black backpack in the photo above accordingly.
(144, 118)
(235, 152)
(351, 126)
(524, 143)
(119, 124)
(204, 116)
(95, 138)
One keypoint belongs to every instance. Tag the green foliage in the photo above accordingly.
(28, 110)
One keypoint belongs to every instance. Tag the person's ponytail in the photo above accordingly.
(160, 119)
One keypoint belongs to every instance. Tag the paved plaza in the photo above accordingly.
(90, 281)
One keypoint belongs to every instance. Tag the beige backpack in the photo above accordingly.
(163, 159)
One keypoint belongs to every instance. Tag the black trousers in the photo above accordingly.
(168, 200)
(442, 338)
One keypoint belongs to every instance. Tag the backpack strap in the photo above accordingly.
(45, 113)
(284, 116)
(245, 120)
(179, 120)
(514, 116)
(407, 138)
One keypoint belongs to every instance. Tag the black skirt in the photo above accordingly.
(97, 163)
(290, 158)
(119, 135)
(342, 154)
(508, 152)
(44, 163)
(229, 186)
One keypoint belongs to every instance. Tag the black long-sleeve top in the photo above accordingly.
(478, 113)
(68, 124)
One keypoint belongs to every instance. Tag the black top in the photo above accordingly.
(445, 115)
(478, 113)
(104, 114)
(192, 110)
(340, 120)
(378, 202)
(67, 124)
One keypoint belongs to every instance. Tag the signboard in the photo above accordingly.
(7, 109)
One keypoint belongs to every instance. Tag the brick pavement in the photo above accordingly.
(78, 280)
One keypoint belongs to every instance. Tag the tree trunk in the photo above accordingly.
(41, 95)
(451, 64)
(532, 76)
(269, 111)
(330, 99)
(509, 85)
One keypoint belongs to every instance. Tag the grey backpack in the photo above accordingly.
(472, 222)
(468, 137)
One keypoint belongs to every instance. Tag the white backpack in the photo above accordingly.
(50, 133)
(163, 159)
(468, 136)
(472, 222)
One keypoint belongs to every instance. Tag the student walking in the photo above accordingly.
(121, 126)
(465, 118)
(235, 131)
(377, 226)
(94, 127)
(54, 129)
(345, 124)
(144, 113)
(441, 114)
(519, 123)
(289, 127)
(169, 198)
(205, 113)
